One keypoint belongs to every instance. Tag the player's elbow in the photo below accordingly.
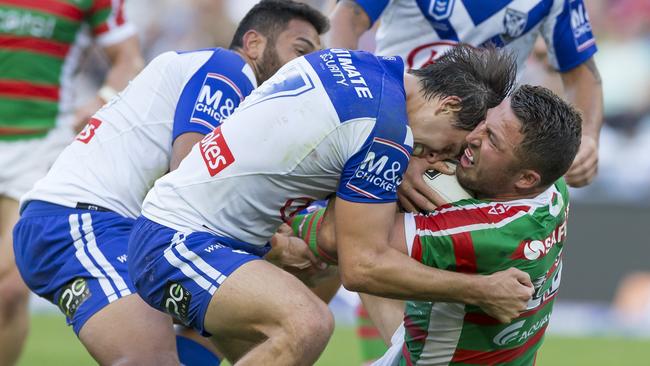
(357, 276)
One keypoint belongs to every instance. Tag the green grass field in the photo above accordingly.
(51, 342)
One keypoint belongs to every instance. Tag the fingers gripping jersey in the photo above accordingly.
(127, 145)
(476, 236)
(332, 121)
(422, 30)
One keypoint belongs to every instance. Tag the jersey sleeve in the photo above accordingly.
(108, 22)
(373, 8)
(212, 93)
(429, 244)
(373, 173)
(568, 35)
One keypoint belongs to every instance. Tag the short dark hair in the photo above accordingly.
(552, 129)
(270, 17)
(481, 78)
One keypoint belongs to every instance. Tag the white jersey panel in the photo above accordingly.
(127, 145)
(330, 122)
(264, 181)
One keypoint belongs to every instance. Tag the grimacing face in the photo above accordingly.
(297, 39)
(489, 164)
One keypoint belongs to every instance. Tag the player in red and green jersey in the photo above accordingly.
(41, 42)
(512, 163)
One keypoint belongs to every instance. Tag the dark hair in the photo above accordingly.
(551, 128)
(481, 78)
(270, 17)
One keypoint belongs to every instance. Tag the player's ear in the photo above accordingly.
(528, 179)
(253, 44)
(449, 104)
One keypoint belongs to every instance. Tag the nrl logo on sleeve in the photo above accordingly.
(88, 132)
(218, 98)
(215, 152)
(440, 9)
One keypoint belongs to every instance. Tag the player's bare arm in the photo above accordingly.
(584, 89)
(349, 21)
(126, 62)
(362, 235)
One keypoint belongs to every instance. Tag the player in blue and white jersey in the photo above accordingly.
(422, 30)
(71, 240)
(333, 122)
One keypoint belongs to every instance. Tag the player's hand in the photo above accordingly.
(413, 193)
(505, 294)
(83, 114)
(288, 251)
(585, 165)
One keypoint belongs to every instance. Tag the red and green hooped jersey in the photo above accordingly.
(40, 45)
(476, 236)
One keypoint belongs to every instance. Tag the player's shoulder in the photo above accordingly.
(360, 84)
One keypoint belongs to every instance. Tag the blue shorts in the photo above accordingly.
(74, 258)
(178, 273)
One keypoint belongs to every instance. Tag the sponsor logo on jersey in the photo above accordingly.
(539, 248)
(72, 296)
(215, 152)
(27, 23)
(514, 334)
(427, 53)
(580, 25)
(88, 132)
(341, 66)
(515, 22)
(441, 9)
(176, 301)
(381, 169)
(218, 98)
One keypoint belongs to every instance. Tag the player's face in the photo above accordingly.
(489, 164)
(434, 135)
(297, 39)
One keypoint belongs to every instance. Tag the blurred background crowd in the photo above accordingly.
(605, 285)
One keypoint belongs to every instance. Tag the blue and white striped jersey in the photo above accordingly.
(127, 145)
(421, 30)
(333, 121)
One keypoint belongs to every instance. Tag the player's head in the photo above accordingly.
(275, 32)
(454, 94)
(524, 145)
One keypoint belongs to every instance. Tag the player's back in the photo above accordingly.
(127, 144)
(301, 136)
(475, 236)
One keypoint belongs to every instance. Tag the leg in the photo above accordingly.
(187, 352)
(262, 315)
(14, 295)
(130, 332)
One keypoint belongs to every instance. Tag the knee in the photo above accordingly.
(14, 296)
(310, 323)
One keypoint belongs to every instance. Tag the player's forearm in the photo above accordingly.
(349, 21)
(126, 63)
(389, 273)
(584, 89)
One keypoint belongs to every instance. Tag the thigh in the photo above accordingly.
(254, 302)
(129, 329)
(8, 218)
